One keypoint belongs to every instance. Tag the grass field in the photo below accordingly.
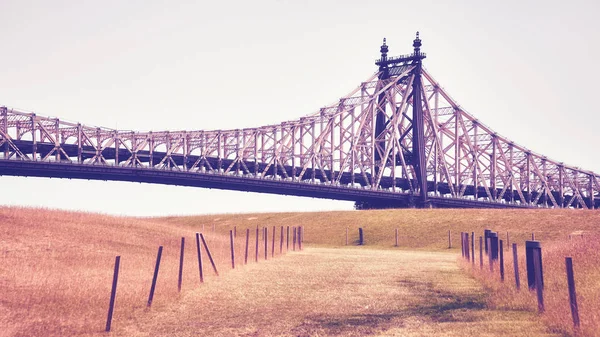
(57, 268)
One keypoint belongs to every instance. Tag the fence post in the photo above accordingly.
(299, 229)
(273, 243)
(493, 246)
(231, 234)
(113, 293)
(462, 244)
(287, 242)
(361, 238)
(199, 257)
(266, 231)
(501, 251)
(467, 251)
(181, 264)
(212, 262)
(490, 258)
(256, 255)
(396, 245)
(486, 235)
(473, 247)
(449, 240)
(151, 296)
(281, 242)
(294, 238)
(516, 266)
(572, 293)
(537, 265)
(480, 252)
(530, 248)
(247, 241)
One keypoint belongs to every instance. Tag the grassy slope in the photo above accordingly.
(419, 229)
(57, 266)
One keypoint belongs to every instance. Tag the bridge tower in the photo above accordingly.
(417, 155)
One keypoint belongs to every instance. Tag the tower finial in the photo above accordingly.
(384, 50)
(417, 44)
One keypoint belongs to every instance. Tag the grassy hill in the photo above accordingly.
(56, 268)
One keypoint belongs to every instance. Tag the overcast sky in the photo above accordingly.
(527, 70)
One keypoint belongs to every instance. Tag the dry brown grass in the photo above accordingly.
(57, 266)
(419, 228)
(342, 292)
(585, 253)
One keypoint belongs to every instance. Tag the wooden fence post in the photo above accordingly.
(449, 240)
(467, 250)
(212, 262)
(247, 241)
(473, 247)
(287, 242)
(179, 280)
(113, 293)
(300, 237)
(516, 266)
(256, 254)
(294, 238)
(501, 251)
(266, 236)
(281, 241)
(151, 296)
(491, 259)
(572, 293)
(199, 257)
(396, 244)
(462, 244)
(231, 234)
(537, 265)
(480, 252)
(361, 237)
(273, 243)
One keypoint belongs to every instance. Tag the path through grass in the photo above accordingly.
(337, 292)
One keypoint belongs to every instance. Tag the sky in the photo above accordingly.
(528, 71)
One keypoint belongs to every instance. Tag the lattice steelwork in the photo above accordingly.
(398, 139)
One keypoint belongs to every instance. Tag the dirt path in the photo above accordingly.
(336, 292)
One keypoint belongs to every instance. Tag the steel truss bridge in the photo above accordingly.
(397, 140)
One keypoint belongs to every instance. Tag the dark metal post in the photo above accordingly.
(572, 293)
(360, 237)
(179, 280)
(480, 252)
(493, 248)
(212, 262)
(473, 247)
(516, 266)
(539, 287)
(501, 251)
(113, 293)
(486, 234)
(530, 247)
(247, 241)
(231, 234)
(199, 257)
(151, 296)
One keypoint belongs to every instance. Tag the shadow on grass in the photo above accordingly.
(433, 306)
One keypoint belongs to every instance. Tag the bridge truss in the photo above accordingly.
(397, 140)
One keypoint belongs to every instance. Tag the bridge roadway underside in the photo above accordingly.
(227, 182)
(386, 199)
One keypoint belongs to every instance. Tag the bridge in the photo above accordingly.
(396, 140)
